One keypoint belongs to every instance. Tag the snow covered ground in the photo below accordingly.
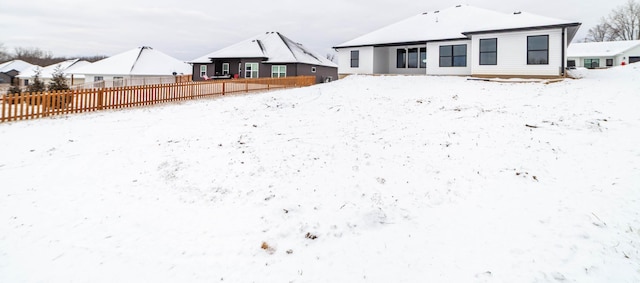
(366, 179)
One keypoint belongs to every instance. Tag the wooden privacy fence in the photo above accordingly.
(36, 105)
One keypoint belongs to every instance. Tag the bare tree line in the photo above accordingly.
(623, 23)
(38, 56)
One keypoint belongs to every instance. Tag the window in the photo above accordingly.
(118, 81)
(413, 59)
(401, 58)
(453, 55)
(98, 81)
(591, 63)
(489, 51)
(203, 70)
(278, 71)
(571, 63)
(538, 50)
(225, 68)
(355, 59)
(251, 70)
(313, 69)
(26, 82)
(609, 62)
(423, 57)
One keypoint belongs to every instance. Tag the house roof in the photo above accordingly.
(272, 47)
(48, 71)
(602, 49)
(17, 65)
(452, 23)
(141, 61)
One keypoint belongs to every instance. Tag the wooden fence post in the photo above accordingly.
(4, 105)
(100, 99)
(223, 87)
(46, 105)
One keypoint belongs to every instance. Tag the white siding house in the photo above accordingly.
(46, 73)
(461, 41)
(512, 50)
(433, 58)
(138, 66)
(603, 54)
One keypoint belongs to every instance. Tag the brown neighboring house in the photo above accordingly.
(266, 55)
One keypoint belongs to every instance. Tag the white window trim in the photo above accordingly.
(203, 70)
(278, 70)
(225, 68)
(256, 71)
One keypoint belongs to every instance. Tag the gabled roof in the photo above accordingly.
(141, 61)
(272, 47)
(602, 49)
(452, 23)
(48, 71)
(17, 65)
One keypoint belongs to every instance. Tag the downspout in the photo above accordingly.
(564, 46)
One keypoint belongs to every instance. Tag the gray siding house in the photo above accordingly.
(266, 55)
(10, 70)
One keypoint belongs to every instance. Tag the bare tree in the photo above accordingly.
(599, 33)
(39, 57)
(331, 57)
(4, 56)
(623, 23)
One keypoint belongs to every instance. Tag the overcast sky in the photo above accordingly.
(192, 28)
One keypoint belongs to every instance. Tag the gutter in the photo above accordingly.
(522, 29)
(421, 42)
(564, 47)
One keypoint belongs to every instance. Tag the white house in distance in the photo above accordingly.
(603, 54)
(463, 40)
(138, 66)
(46, 73)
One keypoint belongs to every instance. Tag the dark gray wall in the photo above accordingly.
(9, 77)
(321, 73)
(293, 69)
(5, 79)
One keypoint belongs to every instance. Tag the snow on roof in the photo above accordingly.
(273, 47)
(48, 71)
(604, 49)
(451, 23)
(17, 65)
(141, 61)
